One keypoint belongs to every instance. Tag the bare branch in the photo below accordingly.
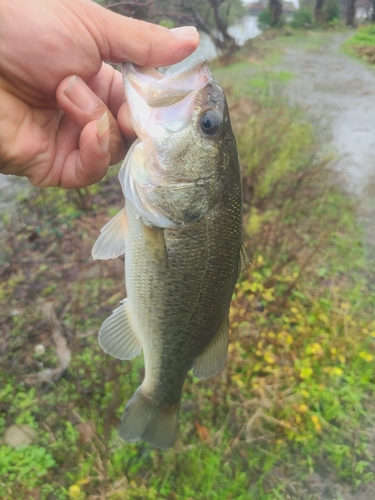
(62, 350)
(130, 8)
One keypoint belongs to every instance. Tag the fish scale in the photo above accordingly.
(181, 234)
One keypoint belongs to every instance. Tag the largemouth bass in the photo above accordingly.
(180, 231)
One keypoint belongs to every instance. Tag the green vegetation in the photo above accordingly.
(362, 44)
(265, 20)
(332, 12)
(303, 18)
(365, 36)
(25, 464)
(297, 393)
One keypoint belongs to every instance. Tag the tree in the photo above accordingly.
(318, 12)
(276, 10)
(210, 16)
(350, 12)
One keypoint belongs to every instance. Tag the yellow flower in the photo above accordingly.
(82, 482)
(314, 348)
(238, 380)
(289, 339)
(333, 370)
(317, 424)
(306, 372)
(366, 356)
(74, 491)
(269, 357)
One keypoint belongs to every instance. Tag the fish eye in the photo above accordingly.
(210, 122)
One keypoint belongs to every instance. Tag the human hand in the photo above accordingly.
(61, 107)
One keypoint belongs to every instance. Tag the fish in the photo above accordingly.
(181, 233)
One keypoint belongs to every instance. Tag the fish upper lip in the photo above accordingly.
(194, 66)
(158, 90)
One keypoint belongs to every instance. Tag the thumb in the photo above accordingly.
(121, 38)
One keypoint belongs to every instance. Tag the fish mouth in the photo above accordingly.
(158, 90)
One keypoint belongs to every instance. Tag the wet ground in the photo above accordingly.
(338, 93)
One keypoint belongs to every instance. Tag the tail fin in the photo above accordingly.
(142, 420)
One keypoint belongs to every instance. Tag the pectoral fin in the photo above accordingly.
(111, 242)
(212, 359)
(117, 337)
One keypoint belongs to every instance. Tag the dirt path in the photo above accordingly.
(338, 93)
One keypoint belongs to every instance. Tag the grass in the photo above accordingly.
(296, 395)
(362, 44)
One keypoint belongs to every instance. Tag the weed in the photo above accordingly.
(24, 465)
(362, 44)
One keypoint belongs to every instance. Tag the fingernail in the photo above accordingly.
(78, 92)
(185, 31)
(103, 132)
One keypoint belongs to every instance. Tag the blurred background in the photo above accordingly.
(291, 416)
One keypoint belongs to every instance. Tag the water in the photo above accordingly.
(245, 29)
(241, 31)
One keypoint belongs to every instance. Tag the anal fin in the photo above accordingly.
(212, 359)
(111, 241)
(116, 335)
